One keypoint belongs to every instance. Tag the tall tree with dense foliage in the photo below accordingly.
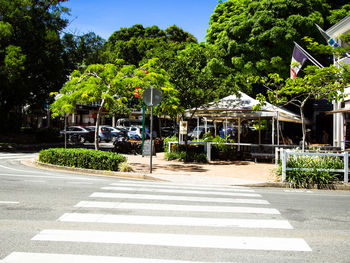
(31, 62)
(81, 51)
(136, 44)
(199, 76)
(257, 37)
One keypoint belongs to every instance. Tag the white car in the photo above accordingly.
(134, 131)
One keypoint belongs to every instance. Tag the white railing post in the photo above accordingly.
(346, 167)
(284, 165)
(169, 147)
(276, 155)
(209, 151)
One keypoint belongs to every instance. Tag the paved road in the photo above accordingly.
(59, 217)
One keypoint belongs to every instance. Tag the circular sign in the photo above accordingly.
(152, 96)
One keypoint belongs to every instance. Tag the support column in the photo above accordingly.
(273, 131)
(259, 130)
(278, 128)
(113, 120)
(239, 134)
(197, 128)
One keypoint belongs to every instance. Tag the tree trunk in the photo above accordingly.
(97, 143)
(303, 127)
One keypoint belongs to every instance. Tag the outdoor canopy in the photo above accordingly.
(241, 106)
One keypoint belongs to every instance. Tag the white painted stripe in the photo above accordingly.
(297, 191)
(182, 191)
(49, 176)
(35, 181)
(78, 183)
(173, 207)
(22, 257)
(17, 156)
(175, 221)
(179, 198)
(140, 182)
(8, 202)
(170, 186)
(178, 240)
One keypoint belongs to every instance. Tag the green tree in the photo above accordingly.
(318, 83)
(112, 86)
(199, 76)
(135, 44)
(80, 51)
(31, 62)
(256, 37)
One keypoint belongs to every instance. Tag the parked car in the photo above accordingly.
(117, 132)
(169, 131)
(79, 133)
(230, 131)
(199, 131)
(104, 134)
(136, 132)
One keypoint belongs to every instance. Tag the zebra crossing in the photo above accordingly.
(166, 215)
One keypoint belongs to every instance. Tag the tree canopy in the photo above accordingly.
(31, 62)
(256, 37)
(136, 43)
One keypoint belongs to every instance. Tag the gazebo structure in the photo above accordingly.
(241, 107)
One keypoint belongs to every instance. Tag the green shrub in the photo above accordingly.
(312, 177)
(166, 142)
(125, 167)
(82, 158)
(191, 157)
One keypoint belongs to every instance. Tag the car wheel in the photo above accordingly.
(82, 139)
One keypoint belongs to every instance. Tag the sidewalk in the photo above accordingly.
(217, 172)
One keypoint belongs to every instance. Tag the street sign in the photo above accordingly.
(152, 96)
(183, 127)
(147, 149)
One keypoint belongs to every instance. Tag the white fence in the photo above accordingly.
(286, 153)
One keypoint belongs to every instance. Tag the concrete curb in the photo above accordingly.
(141, 176)
(338, 186)
(35, 163)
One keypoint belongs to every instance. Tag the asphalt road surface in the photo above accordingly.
(48, 216)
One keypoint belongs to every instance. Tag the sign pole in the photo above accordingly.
(143, 127)
(151, 132)
(151, 97)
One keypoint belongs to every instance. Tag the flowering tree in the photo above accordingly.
(111, 85)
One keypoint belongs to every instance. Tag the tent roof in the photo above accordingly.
(241, 106)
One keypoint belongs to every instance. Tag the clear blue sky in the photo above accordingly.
(103, 17)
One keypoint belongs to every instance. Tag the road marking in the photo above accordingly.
(297, 191)
(35, 181)
(182, 191)
(175, 221)
(22, 257)
(177, 240)
(173, 207)
(8, 202)
(170, 186)
(48, 176)
(140, 182)
(17, 156)
(78, 182)
(179, 198)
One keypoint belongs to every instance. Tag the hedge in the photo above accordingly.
(82, 158)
